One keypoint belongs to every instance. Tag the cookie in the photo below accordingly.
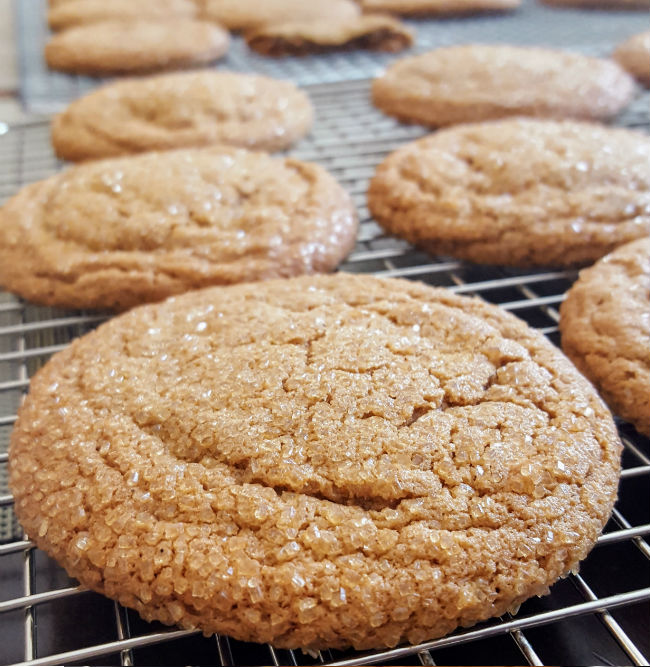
(375, 32)
(317, 462)
(605, 326)
(634, 55)
(251, 14)
(458, 84)
(116, 233)
(517, 192)
(115, 47)
(437, 7)
(183, 110)
(81, 12)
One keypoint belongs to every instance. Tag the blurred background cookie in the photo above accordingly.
(183, 110)
(374, 32)
(81, 12)
(634, 55)
(248, 14)
(118, 47)
(459, 84)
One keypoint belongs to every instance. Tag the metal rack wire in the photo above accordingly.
(598, 617)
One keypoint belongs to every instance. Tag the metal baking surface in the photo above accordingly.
(44, 91)
(598, 617)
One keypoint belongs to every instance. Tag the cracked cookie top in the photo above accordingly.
(115, 233)
(474, 82)
(182, 111)
(519, 192)
(605, 325)
(316, 462)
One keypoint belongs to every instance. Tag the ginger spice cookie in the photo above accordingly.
(518, 192)
(116, 233)
(634, 55)
(144, 45)
(458, 84)
(605, 326)
(375, 32)
(437, 7)
(316, 462)
(183, 110)
(81, 12)
(250, 14)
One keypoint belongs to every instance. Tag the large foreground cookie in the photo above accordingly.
(605, 325)
(144, 45)
(183, 110)
(634, 55)
(250, 14)
(376, 32)
(81, 12)
(437, 7)
(115, 233)
(458, 84)
(317, 462)
(518, 192)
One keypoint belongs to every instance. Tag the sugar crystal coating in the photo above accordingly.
(180, 111)
(605, 325)
(116, 233)
(466, 83)
(519, 192)
(316, 462)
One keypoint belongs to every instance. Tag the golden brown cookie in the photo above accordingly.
(634, 55)
(518, 192)
(251, 14)
(82, 12)
(183, 110)
(317, 462)
(379, 33)
(437, 7)
(115, 233)
(459, 84)
(114, 47)
(605, 325)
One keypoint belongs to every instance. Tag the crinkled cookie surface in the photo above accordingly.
(116, 233)
(316, 462)
(518, 192)
(605, 325)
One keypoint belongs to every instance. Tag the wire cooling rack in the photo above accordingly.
(46, 91)
(600, 616)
